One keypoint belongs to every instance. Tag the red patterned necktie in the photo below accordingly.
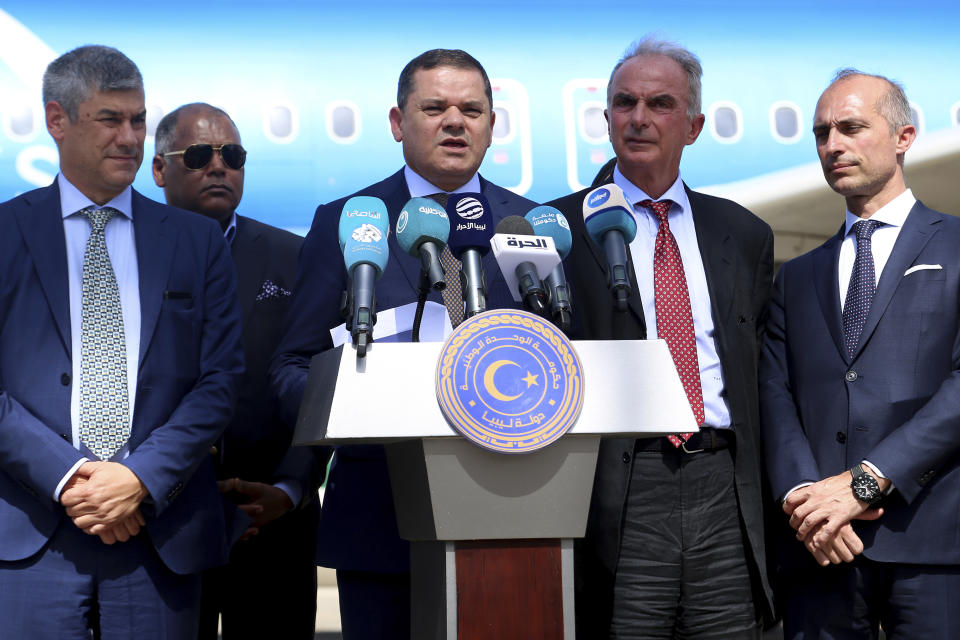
(674, 317)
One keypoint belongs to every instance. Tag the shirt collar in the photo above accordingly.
(635, 194)
(231, 232)
(73, 201)
(420, 187)
(892, 214)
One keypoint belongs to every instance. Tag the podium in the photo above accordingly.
(491, 533)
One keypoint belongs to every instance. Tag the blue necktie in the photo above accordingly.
(863, 284)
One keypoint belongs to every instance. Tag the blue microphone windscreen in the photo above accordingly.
(606, 208)
(548, 221)
(370, 247)
(362, 210)
(471, 223)
(421, 220)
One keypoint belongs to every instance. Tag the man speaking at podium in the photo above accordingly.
(444, 122)
(674, 544)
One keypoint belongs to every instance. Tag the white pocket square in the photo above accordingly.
(922, 267)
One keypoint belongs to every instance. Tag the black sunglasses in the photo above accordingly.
(197, 156)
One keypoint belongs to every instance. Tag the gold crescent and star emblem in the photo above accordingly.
(491, 387)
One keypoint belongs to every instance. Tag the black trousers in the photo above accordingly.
(269, 587)
(683, 569)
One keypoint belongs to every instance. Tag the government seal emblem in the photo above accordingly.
(509, 381)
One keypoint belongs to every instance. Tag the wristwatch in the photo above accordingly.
(865, 486)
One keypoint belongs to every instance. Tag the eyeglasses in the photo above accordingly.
(197, 156)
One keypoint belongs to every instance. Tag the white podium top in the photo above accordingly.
(631, 389)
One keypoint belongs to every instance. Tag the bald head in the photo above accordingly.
(213, 190)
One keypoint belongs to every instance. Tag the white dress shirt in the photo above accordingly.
(680, 217)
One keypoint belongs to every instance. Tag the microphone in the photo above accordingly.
(609, 221)
(471, 227)
(524, 259)
(549, 222)
(422, 230)
(364, 227)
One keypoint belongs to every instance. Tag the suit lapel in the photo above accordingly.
(718, 255)
(396, 194)
(826, 280)
(917, 230)
(41, 222)
(155, 249)
(250, 264)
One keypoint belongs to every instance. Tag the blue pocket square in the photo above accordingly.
(271, 291)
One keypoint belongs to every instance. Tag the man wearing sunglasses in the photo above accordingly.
(120, 361)
(199, 163)
(444, 122)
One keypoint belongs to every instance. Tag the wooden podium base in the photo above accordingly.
(509, 590)
(492, 590)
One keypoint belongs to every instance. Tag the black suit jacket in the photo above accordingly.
(266, 262)
(737, 252)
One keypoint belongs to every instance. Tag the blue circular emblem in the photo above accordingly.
(509, 381)
(598, 197)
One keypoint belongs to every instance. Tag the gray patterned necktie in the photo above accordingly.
(104, 402)
(453, 293)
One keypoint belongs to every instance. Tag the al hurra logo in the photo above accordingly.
(367, 233)
(509, 381)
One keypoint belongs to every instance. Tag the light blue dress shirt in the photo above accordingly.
(121, 247)
(715, 407)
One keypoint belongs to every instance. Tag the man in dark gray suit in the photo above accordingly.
(199, 163)
(674, 544)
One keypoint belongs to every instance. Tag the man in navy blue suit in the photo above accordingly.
(120, 359)
(860, 391)
(444, 120)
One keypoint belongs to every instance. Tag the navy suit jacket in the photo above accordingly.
(896, 402)
(189, 369)
(737, 252)
(358, 528)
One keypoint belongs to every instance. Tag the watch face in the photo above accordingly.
(866, 488)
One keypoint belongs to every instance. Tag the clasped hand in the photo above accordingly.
(103, 499)
(821, 514)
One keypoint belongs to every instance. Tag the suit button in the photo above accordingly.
(851, 376)
(626, 458)
(841, 437)
(925, 478)
(214, 451)
(65, 437)
(65, 379)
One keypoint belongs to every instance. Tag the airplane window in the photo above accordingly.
(725, 122)
(343, 121)
(154, 116)
(593, 126)
(280, 122)
(20, 121)
(343, 125)
(501, 124)
(785, 122)
(916, 116)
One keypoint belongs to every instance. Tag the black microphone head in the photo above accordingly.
(471, 223)
(515, 226)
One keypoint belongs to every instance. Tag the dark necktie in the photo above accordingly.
(863, 284)
(452, 294)
(674, 316)
(104, 402)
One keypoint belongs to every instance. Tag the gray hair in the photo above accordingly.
(167, 127)
(434, 58)
(892, 105)
(73, 77)
(688, 61)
